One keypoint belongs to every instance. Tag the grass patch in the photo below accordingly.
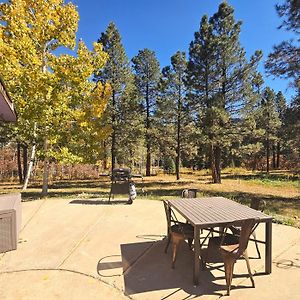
(280, 190)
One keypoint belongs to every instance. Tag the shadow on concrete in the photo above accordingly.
(110, 266)
(98, 202)
(147, 268)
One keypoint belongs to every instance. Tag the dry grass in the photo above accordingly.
(280, 190)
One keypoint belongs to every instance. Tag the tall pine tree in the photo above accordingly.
(284, 61)
(281, 108)
(270, 122)
(171, 104)
(218, 76)
(147, 73)
(118, 73)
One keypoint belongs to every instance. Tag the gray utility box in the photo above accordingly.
(10, 221)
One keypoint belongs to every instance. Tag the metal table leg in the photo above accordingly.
(196, 254)
(268, 248)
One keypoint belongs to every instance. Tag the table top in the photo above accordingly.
(215, 211)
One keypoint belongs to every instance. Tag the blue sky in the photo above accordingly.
(166, 26)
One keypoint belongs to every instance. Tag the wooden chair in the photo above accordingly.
(256, 204)
(177, 232)
(189, 193)
(230, 249)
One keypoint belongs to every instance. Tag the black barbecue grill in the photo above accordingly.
(122, 184)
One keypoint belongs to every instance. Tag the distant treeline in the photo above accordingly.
(209, 108)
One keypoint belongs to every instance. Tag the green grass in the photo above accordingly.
(275, 178)
(277, 183)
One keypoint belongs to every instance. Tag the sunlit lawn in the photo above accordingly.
(280, 190)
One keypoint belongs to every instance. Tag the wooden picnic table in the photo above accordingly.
(212, 212)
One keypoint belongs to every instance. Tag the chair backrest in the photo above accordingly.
(170, 215)
(247, 227)
(189, 193)
(258, 204)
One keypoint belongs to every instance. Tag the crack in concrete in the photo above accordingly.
(84, 236)
(70, 271)
(34, 213)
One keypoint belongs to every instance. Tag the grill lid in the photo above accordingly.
(121, 174)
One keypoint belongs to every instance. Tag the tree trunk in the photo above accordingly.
(19, 163)
(46, 159)
(273, 157)
(148, 160)
(113, 135)
(177, 162)
(254, 164)
(278, 156)
(113, 150)
(216, 164)
(105, 157)
(46, 170)
(30, 166)
(148, 143)
(32, 158)
(268, 155)
(25, 160)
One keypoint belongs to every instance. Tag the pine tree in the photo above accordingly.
(171, 104)
(118, 73)
(147, 73)
(292, 129)
(130, 138)
(218, 76)
(284, 61)
(200, 80)
(252, 145)
(281, 108)
(269, 121)
(164, 130)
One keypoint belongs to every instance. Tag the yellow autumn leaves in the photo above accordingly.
(54, 91)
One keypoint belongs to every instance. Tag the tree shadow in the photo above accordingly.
(165, 183)
(175, 192)
(74, 184)
(264, 176)
(98, 202)
(79, 184)
(32, 196)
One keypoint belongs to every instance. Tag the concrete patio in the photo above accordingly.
(89, 249)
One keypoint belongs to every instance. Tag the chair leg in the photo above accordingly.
(190, 242)
(176, 242)
(229, 266)
(256, 244)
(168, 243)
(203, 264)
(245, 254)
(109, 196)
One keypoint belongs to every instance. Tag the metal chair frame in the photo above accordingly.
(177, 232)
(230, 251)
